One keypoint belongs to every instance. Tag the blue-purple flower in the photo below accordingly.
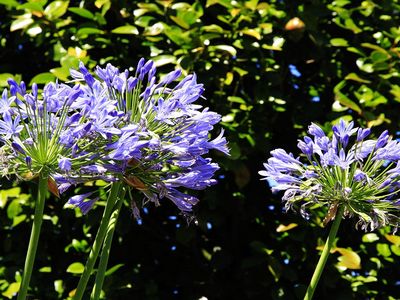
(157, 134)
(345, 170)
(56, 133)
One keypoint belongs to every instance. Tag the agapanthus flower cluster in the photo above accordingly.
(47, 134)
(347, 169)
(157, 136)
(116, 127)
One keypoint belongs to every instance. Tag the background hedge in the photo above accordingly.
(269, 68)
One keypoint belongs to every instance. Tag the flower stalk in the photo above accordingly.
(101, 233)
(105, 253)
(33, 241)
(324, 255)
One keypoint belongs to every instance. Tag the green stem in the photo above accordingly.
(105, 252)
(324, 255)
(94, 252)
(33, 241)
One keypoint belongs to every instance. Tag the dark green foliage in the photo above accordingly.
(269, 75)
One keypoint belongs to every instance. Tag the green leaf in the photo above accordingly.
(105, 5)
(370, 238)
(374, 47)
(76, 268)
(162, 60)
(348, 259)
(82, 32)
(251, 4)
(113, 269)
(10, 193)
(207, 255)
(126, 29)
(22, 22)
(231, 50)
(4, 77)
(144, 21)
(56, 9)
(13, 209)
(236, 99)
(240, 71)
(32, 6)
(394, 239)
(355, 77)
(228, 118)
(82, 12)
(42, 78)
(9, 3)
(260, 247)
(339, 42)
(378, 56)
(343, 99)
(180, 22)
(283, 228)
(58, 286)
(395, 249)
(363, 65)
(225, 3)
(212, 28)
(252, 32)
(175, 34)
(383, 249)
(45, 269)
(12, 290)
(18, 219)
(61, 73)
(34, 30)
(275, 267)
(395, 91)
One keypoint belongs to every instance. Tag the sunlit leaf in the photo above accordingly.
(34, 30)
(343, 99)
(18, 219)
(12, 290)
(42, 78)
(13, 209)
(56, 9)
(339, 42)
(236, 99)
(348, 259)
(231, 50)
(252, 32)
(180, 22)
(207, 255)
(113, 269)
(394, 239)
(126, 29)
(370, 238)
(355, 77)
(9, 2)
(225, 3)
(10, 193)
(76, 268)
(82, 12)
(383, 249)
(46, 269)
(21, 22)
(162, 60)
(283, 228)
(58, 286)
(87, 31)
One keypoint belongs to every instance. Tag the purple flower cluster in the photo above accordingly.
(345, 170)
(47, 134)
(117, 127)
